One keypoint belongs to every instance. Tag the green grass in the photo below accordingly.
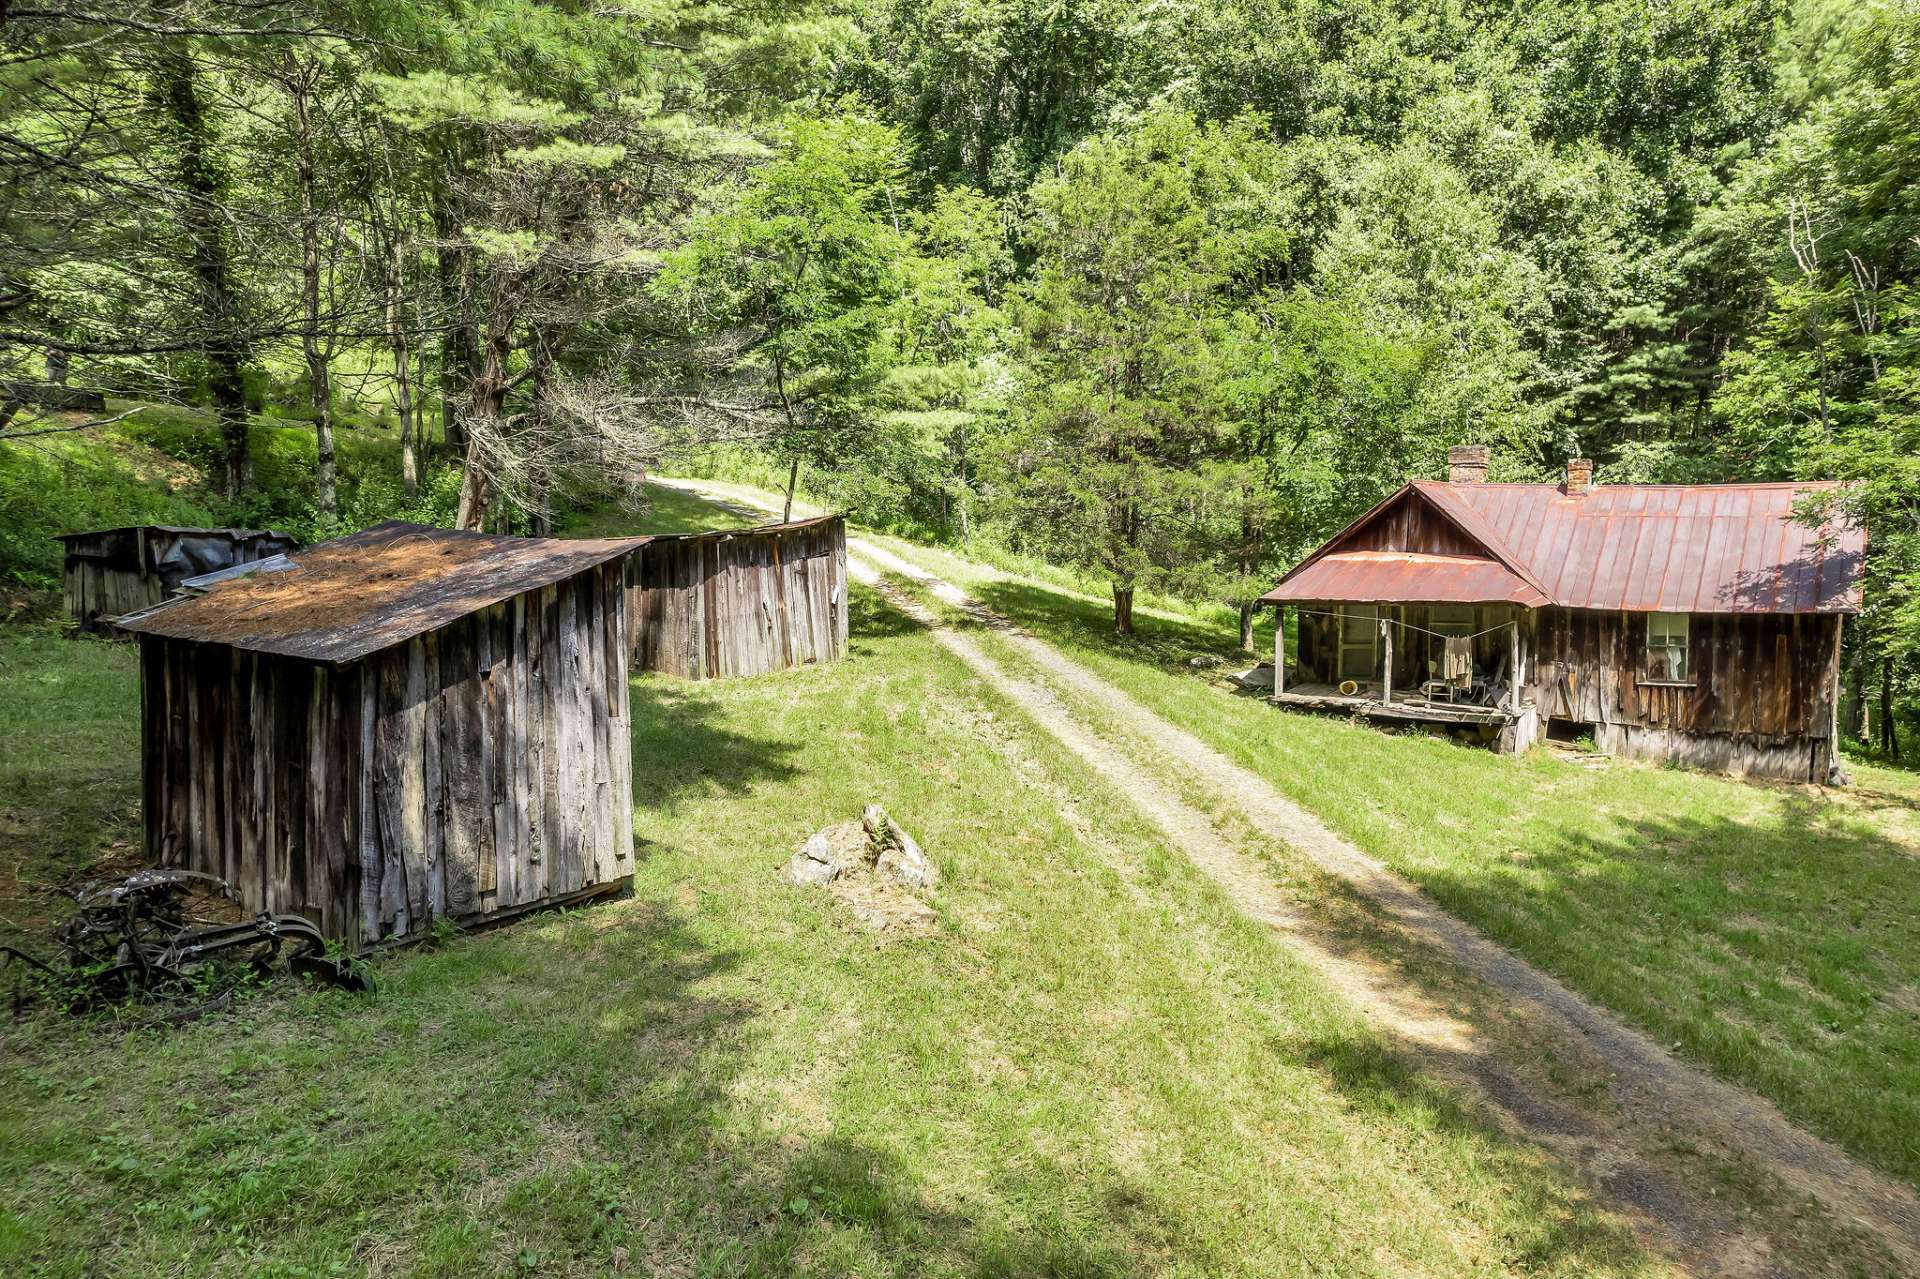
(663, 510)
(1095, 1066)
(1764, 931)
(69, 764)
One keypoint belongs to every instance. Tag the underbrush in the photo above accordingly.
(163, 465)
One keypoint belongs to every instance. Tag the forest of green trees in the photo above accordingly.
(1164, 292)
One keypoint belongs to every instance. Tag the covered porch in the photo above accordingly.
(1424, 636)
(1455, 667)
(1369, 703)
(1444, 667)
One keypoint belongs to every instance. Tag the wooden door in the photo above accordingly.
(1359, 657)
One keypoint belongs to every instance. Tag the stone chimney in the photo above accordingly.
(1467, 464)
(1579, 475)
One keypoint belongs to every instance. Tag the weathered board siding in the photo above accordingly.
(722, 604)
(1411, 525)
(472, 771)
(1760, 700)
(117, 571)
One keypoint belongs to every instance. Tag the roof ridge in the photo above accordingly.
(1449, 485)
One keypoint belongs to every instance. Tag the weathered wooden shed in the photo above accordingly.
(118, 570)
(1698, 624)
(403, 725)
(740, 601)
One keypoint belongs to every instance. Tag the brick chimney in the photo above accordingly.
(1579, 475)
(1467, 464)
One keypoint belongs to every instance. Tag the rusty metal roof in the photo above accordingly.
(1704, 548)
(341, 600)
(1386, 577)
(236, 533)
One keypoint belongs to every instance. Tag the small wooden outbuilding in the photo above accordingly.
(740, 601)
(404, 725)
(118, 570)
(1698, 624)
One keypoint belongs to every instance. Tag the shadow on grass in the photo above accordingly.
(1878, 797)
(871, 621)
(638, 1148)
(680, 743)
(1379, 1082)
(1779, 953)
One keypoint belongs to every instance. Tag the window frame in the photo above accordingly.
(1658, 655)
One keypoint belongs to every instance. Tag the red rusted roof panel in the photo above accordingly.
(1708, 548)
(1404, 577)
(342, 600)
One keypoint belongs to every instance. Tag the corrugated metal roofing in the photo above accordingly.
(1708, 548)
(1682, 548)
(1401, 577)
(341, 600)
(170, 528)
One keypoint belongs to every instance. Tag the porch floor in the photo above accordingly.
(1404, 706)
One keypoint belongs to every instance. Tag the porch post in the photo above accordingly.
(1513, 676)
(1279, 650)
(1386, 671)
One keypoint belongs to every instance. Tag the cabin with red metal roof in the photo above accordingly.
(1698, 624)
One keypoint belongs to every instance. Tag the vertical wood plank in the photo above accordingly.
(368, 791)
(433, 790)
(462, 764)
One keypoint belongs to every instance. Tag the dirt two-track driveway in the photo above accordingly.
(1711, 1176)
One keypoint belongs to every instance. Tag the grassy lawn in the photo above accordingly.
(1765, 931)
(664, 510)
(1093, 1067)
(69, 765)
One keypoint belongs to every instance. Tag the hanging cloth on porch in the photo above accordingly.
(1456, 659)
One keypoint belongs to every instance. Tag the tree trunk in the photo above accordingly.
(1889, 735)
(476, 493)
(539, 447)
(1248, 611)
(1122, 609)
(300, 84)
(460, 355)
(1852, 721)
(421, 361)
(202, 218)
(487, 405)
(793, 479)
(402, 383)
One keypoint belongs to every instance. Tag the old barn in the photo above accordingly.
(739, 601)
(1694, 623)
(404, 725)
(113, 571)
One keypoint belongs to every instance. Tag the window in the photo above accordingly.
(1667, 648)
